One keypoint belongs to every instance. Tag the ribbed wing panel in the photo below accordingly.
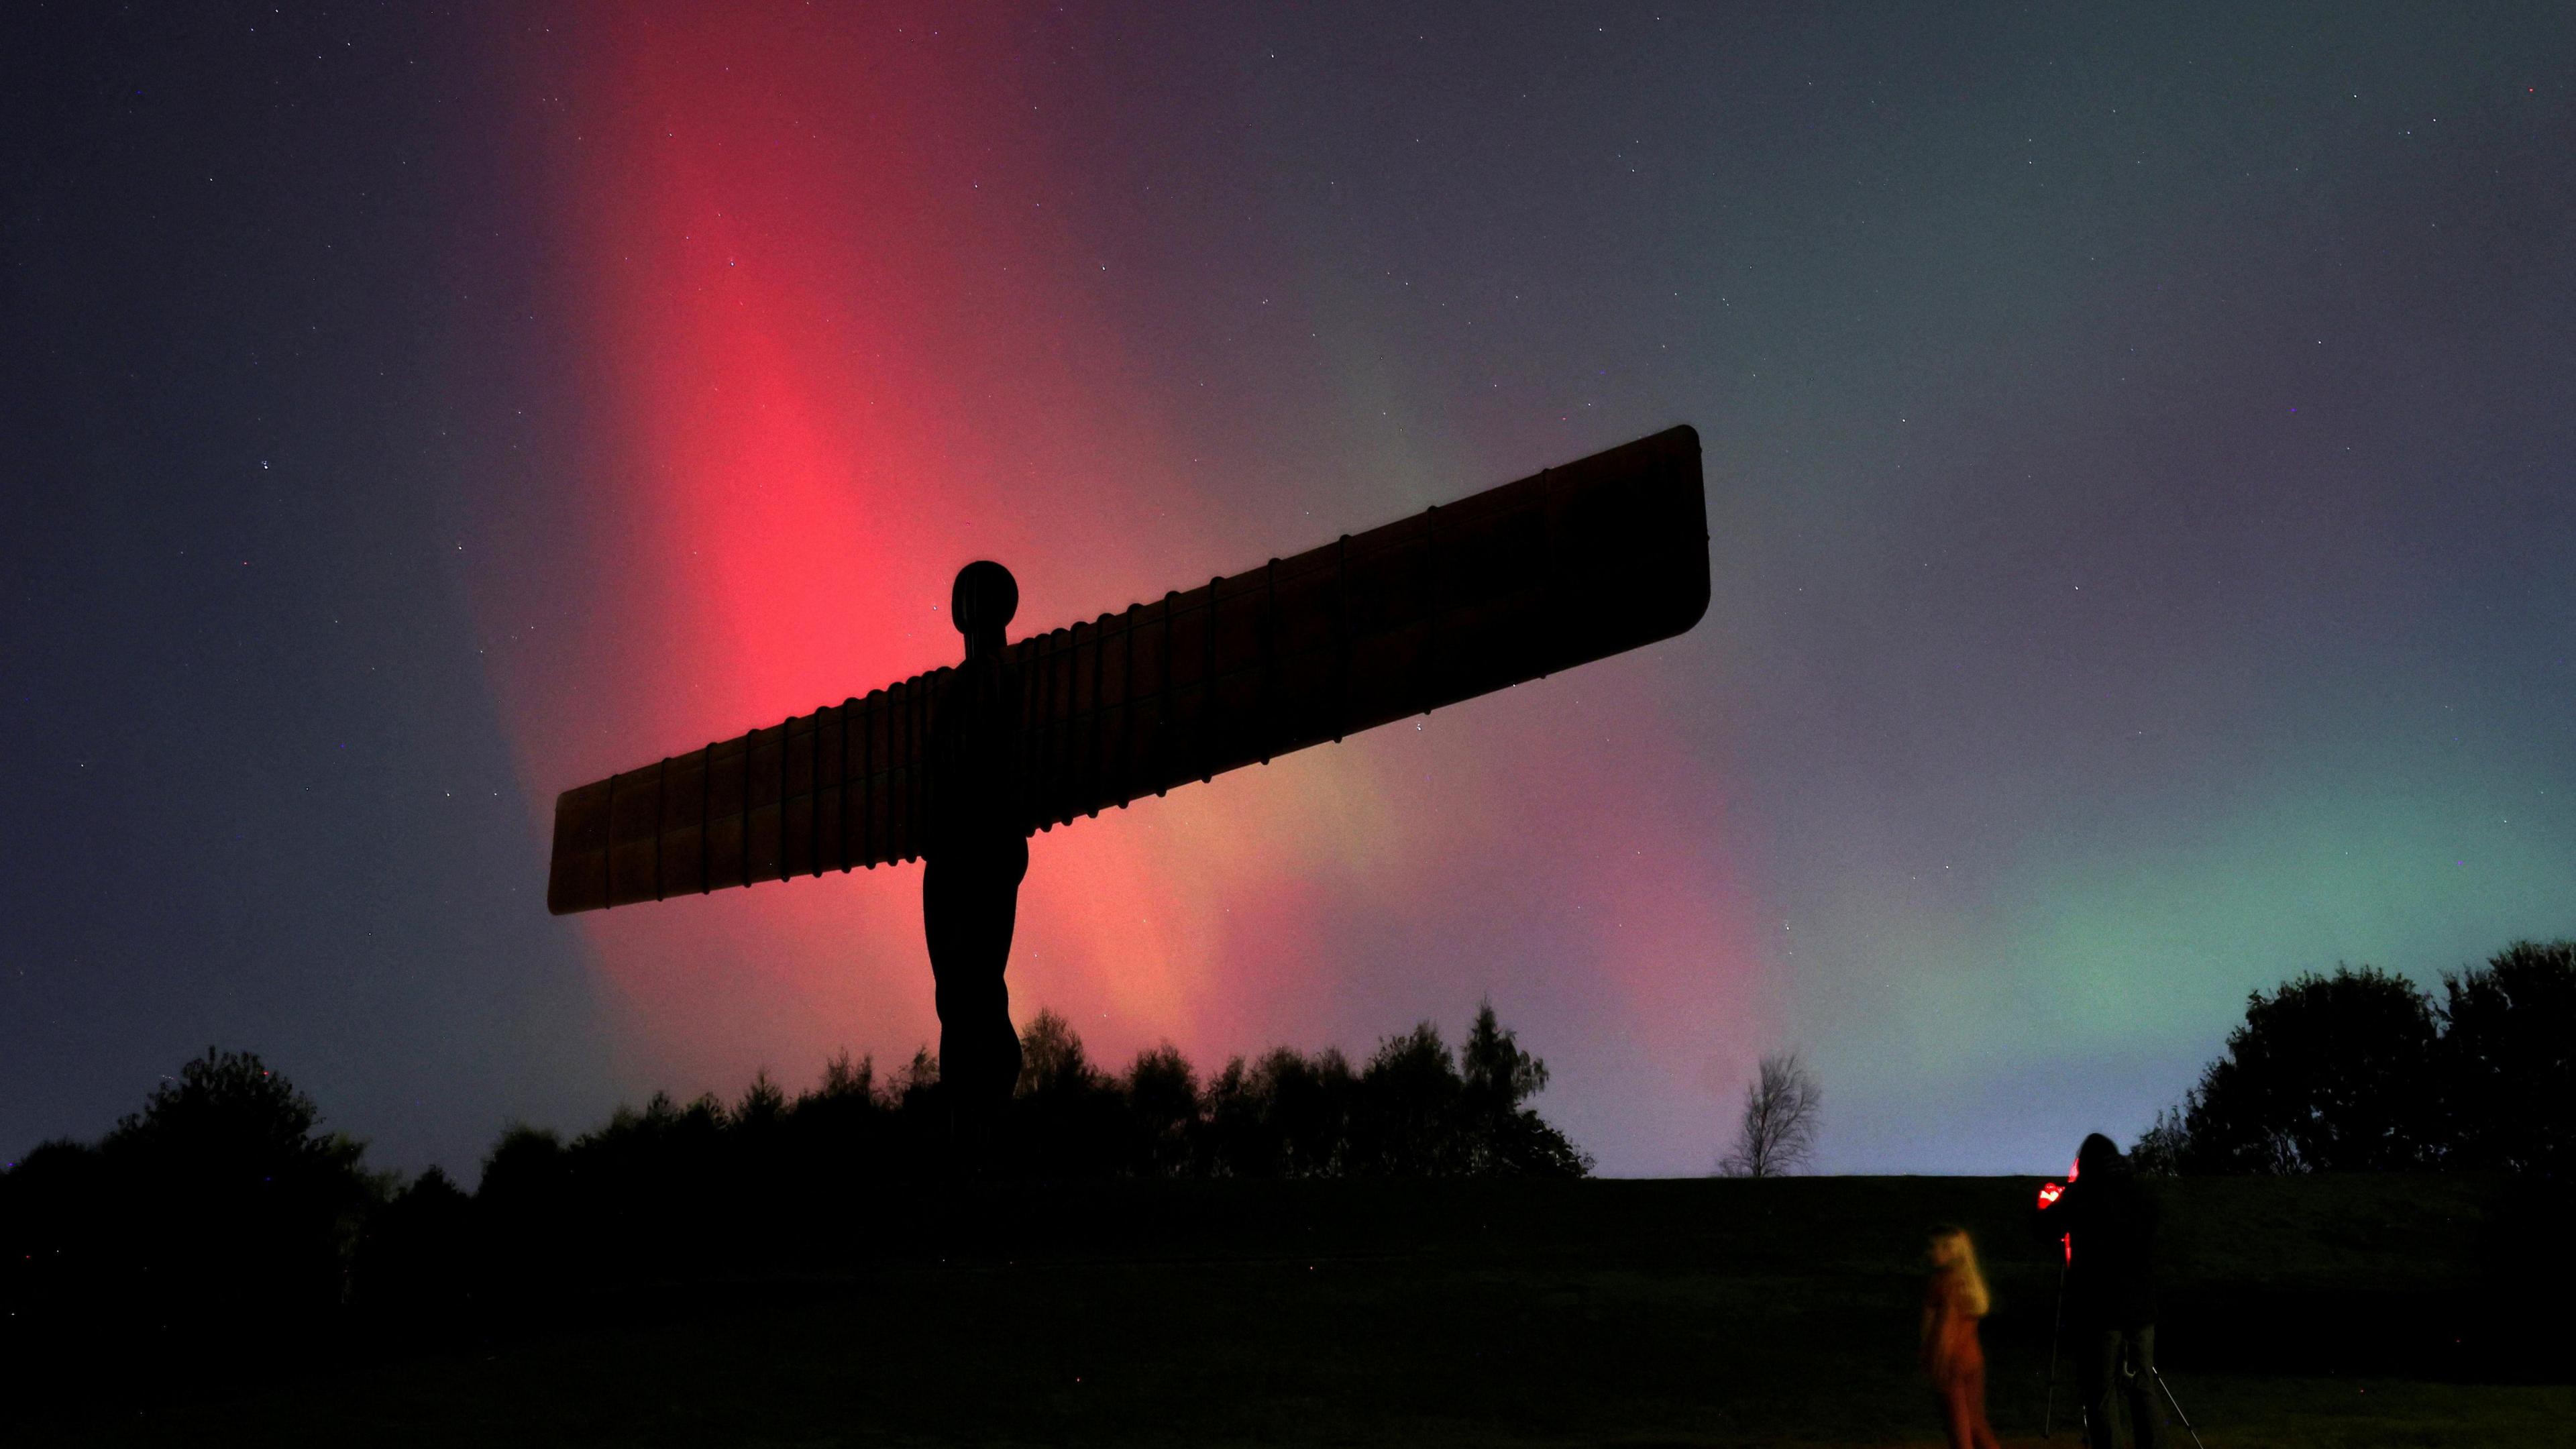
(1574, 564)
(840, 788)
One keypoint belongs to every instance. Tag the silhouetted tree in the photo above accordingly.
(1235, 1136)
(1414, 1111)
(528, 1162)
(916, 1092)
(1163, 1108)
(221, 1220)
(2327, 1074)
(525, 1201)
(208, 1236)
(1406, 1109)
(273, 1201)
(844, 1081)
(1052, 1059)
(844, 1127)
(763, 1104)
(1313, 1105)
(2507, 1060)
(2158, 1151)
(1783, 1107)
(65, 1270)
(1066, 1117)
(1286, 1115)
(1495, 1074)
(416, 1264)
(1501, 1137)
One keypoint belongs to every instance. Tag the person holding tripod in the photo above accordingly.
(2105, 1218)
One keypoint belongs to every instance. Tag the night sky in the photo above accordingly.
(2141, 454)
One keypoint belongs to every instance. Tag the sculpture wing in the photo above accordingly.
(1570, 565)
(840, 788)
(1573, 564)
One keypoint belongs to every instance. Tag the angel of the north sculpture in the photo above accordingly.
(957, 767)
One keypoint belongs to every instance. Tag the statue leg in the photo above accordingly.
(970, 902)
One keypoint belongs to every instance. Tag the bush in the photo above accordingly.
(2361, 1071)
(2508, 1060)
(2327, 1074)
(212, 1231)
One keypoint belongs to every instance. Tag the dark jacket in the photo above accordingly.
(2110, 1217)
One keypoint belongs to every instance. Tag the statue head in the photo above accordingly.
(982, 603)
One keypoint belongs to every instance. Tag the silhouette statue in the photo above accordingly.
(977, 849)
(958, 767)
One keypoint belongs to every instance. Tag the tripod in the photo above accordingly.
(2056, 1335)
(2084, 1413)
(2179, 1416)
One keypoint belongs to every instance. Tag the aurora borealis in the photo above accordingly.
(2139, 454)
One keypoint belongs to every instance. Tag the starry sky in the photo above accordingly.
(2141, 454)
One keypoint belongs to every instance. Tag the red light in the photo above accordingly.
(2049, 1193)
(2067, 1241)
(2074, 1169)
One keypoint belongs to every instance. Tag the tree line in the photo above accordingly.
(2362, 1070)
(223, 1213)
(1415, 1108)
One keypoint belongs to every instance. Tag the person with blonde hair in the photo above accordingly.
(1953, 1300)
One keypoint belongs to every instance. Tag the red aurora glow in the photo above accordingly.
(840, 345)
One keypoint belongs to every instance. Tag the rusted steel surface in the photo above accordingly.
(1519, 581)
(831, 790)
(1571, 565)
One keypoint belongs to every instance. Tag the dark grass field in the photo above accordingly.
(2319, 1312)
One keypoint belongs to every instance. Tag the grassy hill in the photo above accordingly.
(2322, 1311)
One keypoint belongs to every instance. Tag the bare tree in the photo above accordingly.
(1781, 1110)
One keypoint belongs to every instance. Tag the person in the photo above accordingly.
(1953, 1300)
(975, 855)
(2106, 1220)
